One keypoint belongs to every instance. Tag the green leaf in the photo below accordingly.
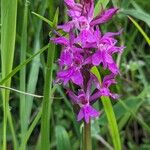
(99, 5)
(33, 124)
(113, 127)
(137, 7)
(31, 128)
(47, 101)
(120, 111)
(14, 71)
(55, 21)
(35, 65)
(95, 71)
(140, 29)
(115, 3)
(139, 15)
(62, 138)
(8, 37)
(23, 121)
(43, 18)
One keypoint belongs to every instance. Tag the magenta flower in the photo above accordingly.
(105, 46)
(70, 61)
(85, 46)
(83, 99)
(87, 112)
(104, 87)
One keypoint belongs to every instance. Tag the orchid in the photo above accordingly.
(85, 47)
(83, 100)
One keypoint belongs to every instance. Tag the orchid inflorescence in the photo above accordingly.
(84, 47)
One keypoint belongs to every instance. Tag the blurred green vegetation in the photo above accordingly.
(132, 110)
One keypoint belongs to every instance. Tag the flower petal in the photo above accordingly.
(67, 26)
(60, 40)
(73, 97)
(113, 68)
(65, 58)
(87, 112)
(77, 78)
(108, 80)
(96, 58)
(103, 18)
(80, 115)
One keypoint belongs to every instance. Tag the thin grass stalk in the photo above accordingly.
(8, 17)
(33, 124)
(31, 128)
(15, 70)
(46, 108)
(34, 71)
(113, 127)
(108, 108)
(14, 138)
(87, 142)
(23, 109)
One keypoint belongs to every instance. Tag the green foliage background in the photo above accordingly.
(33, 122)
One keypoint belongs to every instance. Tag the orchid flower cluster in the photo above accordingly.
(84, 47)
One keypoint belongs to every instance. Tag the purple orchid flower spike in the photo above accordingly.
(86, 47)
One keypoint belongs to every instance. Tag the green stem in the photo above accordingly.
(87, 142)
(12, 129)
(4, 124)
(46, 108)
(31, 128)
(8, 34)
(23, 108)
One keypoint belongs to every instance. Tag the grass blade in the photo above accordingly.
(139, 15)
(23, 109)
(147, 128)
(32, 126)
(112, 122)
(140, 29)
(34, 71)
(99, 5)
(113, 127)
(43, 18)
(8, 34)
(45, 120)
(15, 70)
